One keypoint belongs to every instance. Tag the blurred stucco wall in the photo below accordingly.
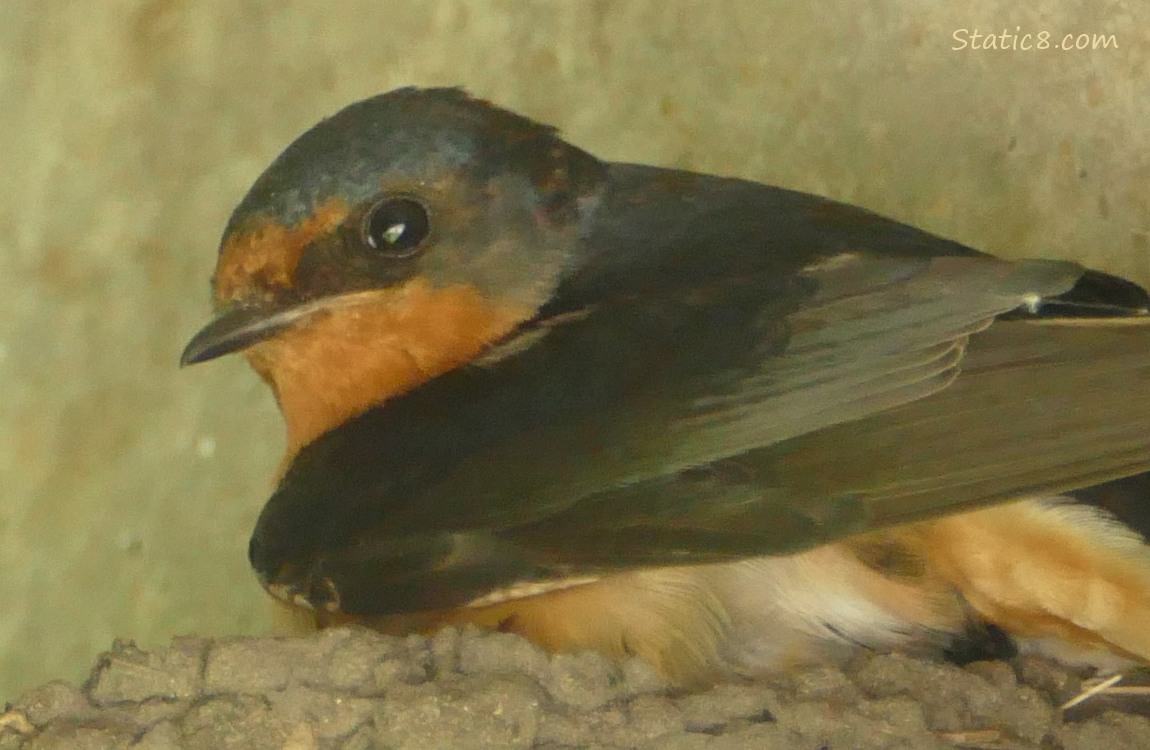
(131, 127)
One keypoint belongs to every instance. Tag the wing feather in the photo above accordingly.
(748, 417)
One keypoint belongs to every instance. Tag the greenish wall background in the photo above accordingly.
(131, 127)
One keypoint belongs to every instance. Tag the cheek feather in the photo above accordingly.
(355, 356)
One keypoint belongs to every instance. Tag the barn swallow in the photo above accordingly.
(724, 426)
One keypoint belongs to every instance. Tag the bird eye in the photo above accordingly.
(396, 226)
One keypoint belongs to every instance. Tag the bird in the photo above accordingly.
(725, 427)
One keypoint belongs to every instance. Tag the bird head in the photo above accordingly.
(391, 242)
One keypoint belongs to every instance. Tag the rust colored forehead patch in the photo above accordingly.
(262, 258)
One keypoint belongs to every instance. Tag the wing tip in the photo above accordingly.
(1090, 295)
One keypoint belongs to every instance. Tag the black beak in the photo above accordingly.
(242, 326)
(237, 329)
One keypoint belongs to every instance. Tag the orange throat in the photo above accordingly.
(372, 346)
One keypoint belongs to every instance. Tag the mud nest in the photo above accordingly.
(352, 688)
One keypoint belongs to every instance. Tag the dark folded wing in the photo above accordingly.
(1038, 409)
(752, 416)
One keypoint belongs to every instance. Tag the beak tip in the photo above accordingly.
(189, 357)
(205, 345)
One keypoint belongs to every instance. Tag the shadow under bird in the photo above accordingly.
(725, 426)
